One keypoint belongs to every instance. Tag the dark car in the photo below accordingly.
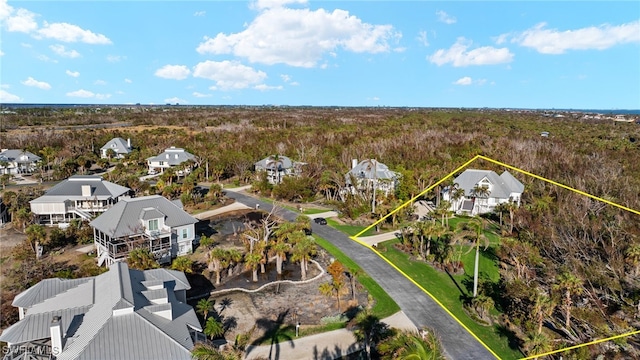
(321, 221)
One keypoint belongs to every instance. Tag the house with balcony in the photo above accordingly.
(369, 174)
(477, 192)
(15, 162)
(150, 222)
(171, 157)
(277, 167)
(116, 148)
(80, 196)
(120, 314)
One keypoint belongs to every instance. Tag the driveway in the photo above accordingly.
(417, 305)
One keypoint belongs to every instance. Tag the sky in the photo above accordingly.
(502, 54)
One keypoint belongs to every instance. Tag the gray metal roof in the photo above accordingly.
(173, 156)
(44, 290)
(503, 185)
(372, 169)
(123, 219)
(71, 189)
(17, 156)
(93, 331)
(119, 145)
(274, 161)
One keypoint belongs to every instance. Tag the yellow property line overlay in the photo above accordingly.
(410, 201)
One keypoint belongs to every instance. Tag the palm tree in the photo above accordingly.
(474, 229)
(570, 285)
(252, 261)
(208, 352)
(183, 264)
(411, 345)
(280, 249)
(304, 247)
(217, 257)
(275, 163)
(204, 306)
(369, 330)
(479, 191)
(233, 257)
(213, 328)
(36, 235)
(141, 259)
(537, 343)
(482, 304)
(542, 307)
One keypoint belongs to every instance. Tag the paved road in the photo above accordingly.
(418, 306)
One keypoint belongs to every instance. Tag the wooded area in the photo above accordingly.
(569, 265)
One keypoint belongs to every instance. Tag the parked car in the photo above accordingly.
(320, 221)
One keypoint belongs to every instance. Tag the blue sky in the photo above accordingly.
(515, 54)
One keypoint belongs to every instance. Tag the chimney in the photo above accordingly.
(86, 190)
(56, 335)
(129, 143)
(354, 163)
(167, 156)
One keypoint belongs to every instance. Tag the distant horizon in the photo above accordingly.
(88, 105)
(428, 54)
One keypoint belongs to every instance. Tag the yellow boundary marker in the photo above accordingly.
(410, 201)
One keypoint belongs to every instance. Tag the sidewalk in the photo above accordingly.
(375, 239)
(209, 213)
(330, 345)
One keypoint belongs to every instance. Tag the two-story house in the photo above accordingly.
(80, 196)
(481, 191)
(170, 157)
(14, 161)
(369, 174)
(150, 222)
(277, 167)
(116, 148)
(120, 314)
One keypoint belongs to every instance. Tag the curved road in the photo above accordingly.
(418, 306)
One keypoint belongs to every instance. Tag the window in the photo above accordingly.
(153, 225)
(161, 163)
(185, 233)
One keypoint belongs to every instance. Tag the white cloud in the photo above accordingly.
(81, 93)
(1, 53)
(201, 95)
(72, 33)
(35, 83)
(552, 41)
(72, 73)
(463, 81)
(199, 13)
(21, 20)
(285, 78)
(60, 50)
(128, 81)
(26, 45)
(229, 74)
(115, 58)
(176, 72)
(445, 18)
(100, 82)
(300, 37)
(88, 94)
(422, 37)
(458, 55)
(175, 100)
(4, 86)
(120, 92)
(264, 87)
(7, 97)
(45, 58)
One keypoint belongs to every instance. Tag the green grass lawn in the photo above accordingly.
(351, 229)
(384, 306)
(314, 211)
(450, 290)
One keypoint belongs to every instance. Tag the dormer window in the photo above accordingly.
(153, 225)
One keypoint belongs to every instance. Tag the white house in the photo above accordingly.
(482, 191)
(120, 314)
(172, 156)
(278, 167)
(370, 174)
(151, 222)
(80, 196)
(119, 146)
(14, 161)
